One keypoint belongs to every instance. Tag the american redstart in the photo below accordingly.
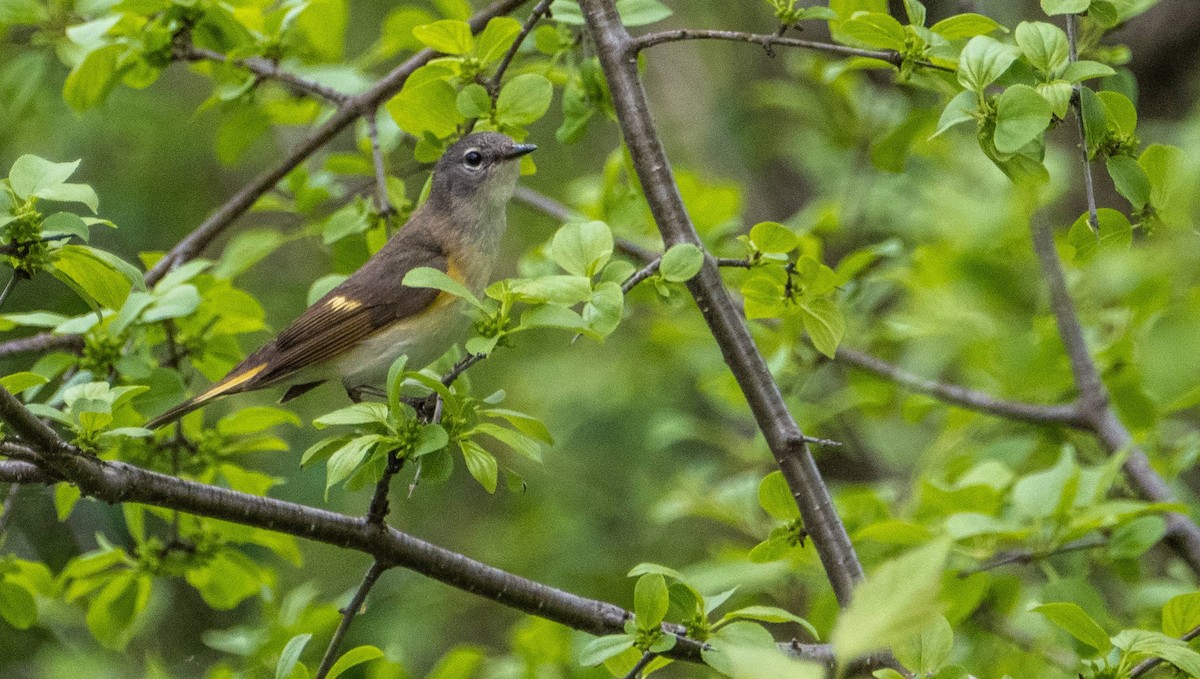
(355, 332)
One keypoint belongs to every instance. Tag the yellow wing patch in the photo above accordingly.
(341, 303)
(232, 383)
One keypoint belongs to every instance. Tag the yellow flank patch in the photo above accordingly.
(341, 303)
(225, 386)
(455, 272)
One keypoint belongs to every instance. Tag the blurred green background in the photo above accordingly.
(655, 457)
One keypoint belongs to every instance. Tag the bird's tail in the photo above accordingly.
(228, 385)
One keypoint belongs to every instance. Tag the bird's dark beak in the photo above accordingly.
(519, 150)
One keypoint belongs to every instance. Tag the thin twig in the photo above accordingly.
(383, 205)
(617, 52)
(767, 41)
(636, 672)
(1029, 556)
(348, 614)
(641, 275)
(492, 85)
(461, 367)
(971, 399)
(265, 69)
(1150, 663)
(1089, 184)
(734, 262)
(8, 288)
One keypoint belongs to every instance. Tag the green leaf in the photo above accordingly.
(347, 221)
(346, 459)
(824, 324)
(430, 439)
(526, 424)
(915, 11)
(896, 601)
(481, 464)
(1058, 95)
(473, 101)
(875, 29)
(1142, 643)
(71, 193)
(641, 12)
(1163, 168)
(496, 38)
(984, 60)
(602, 313)
(1116, 233)
(446, 36)
(554, 289)
(1056, 7)
(1122, 114)
(772, 614)
(681, 262)
(428, 103)
(927, 651)
(291, 655)
(459, 663)
(353, 658)
(1021, 116)
(650, 601)
(17, 605)
(773, 238)
(1044, 45)
(744, 650)
(775, 497)
(1130, 180)
(89, 83)
(1070, 617)
(358, 413)
(582, 248)
(524, 99)
(1078, 71)
(19, 382)
(31, 174)
(963, 26)
(962, 108)
(176, 303)
(1095, 118)
(1181, 615)
(428, 277)
(602, 648)
(1133, 539)
(97, 274)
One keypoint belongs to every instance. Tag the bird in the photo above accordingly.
(358, 329)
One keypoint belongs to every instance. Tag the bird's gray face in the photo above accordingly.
(481, 168)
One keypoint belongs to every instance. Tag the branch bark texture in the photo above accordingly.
(618, 57)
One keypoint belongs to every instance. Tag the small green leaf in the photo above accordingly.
(927, 651)
(1044, 45)
(1021, 116)
(602, 313)
(31, 174)
(1181, 615)
(358, 413)
(824, 324)
(19, 382)
(1115, 233)
(984, 60)
(473, 101)
(496, 38)
(1122, 114)
(775, 497)
(875, 29)
(963, 26)
(428, 277)
(1078, 71)
(524, 99)
(650, 601)
(481, 464)
(353, 658)
(772, 614)
(602, 648)
(1130, 180)
(446, 36)
(582, 248)
(291, 655)
(17, 605)
(641, 12)
(681, 262)
(773, 238)
(1056, 7)
(346, 459)
(962, 108)
(1058, 95)
(1070, 617)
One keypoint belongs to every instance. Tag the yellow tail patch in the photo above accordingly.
(231, 383)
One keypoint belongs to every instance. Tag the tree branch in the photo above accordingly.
(383, 205)
(641, 275)
(492, 85)
(348, 614)
(1089, 184)
(40, 343)
(1150, 663)
(963, 397)
(768, 41)
(347, 113)
(265, 69)
(618, 58)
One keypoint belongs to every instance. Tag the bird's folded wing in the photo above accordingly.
(364, 304)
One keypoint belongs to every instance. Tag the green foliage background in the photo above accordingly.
(655, 458)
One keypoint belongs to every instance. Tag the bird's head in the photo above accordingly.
(479, 169)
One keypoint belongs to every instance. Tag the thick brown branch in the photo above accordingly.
(347, 113)
(41, 343)
(618, 58)
(963, 397)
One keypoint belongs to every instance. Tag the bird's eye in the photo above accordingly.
(473, 159)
